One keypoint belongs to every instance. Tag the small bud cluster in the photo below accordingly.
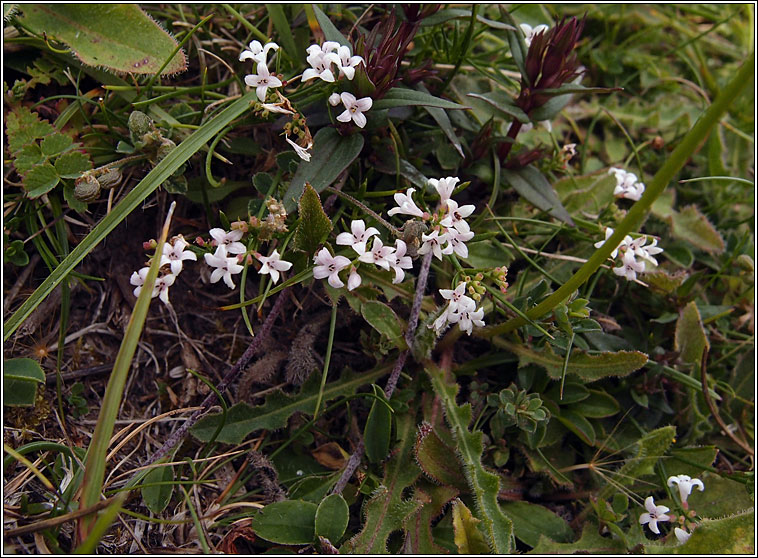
(656, 514)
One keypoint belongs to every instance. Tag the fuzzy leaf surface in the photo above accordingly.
(690, 338)
(314, 224)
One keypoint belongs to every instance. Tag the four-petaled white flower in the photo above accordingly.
(262, 80)
(406, 205)
(629, 267)
(401, 261)
(176, 254)
(138, 279)
(302, 152)
(347, 63)
(433, 242)
(257, 52)
(467, 318)
(272, 265)
(530, 32)
(359, 236)
(458, 298)
(321, 60)
(379, 254)
(654, 515)
(457, 241)
(684, 483)
(444, 187)
(225, 266)
(627, 185)
(354, 109)
(681, 535)
(353, 280)
(229, 239)
(456, 215)
(161, 287)
(608, 233)
(647, 252)
(329, 266)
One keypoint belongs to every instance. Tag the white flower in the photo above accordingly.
(466, 318)
(257, 52)
(457, 241)
(444, 187)
(405, 203)
(225, 266)
(684, 483)
(458, 298)
(353, 280)
(608, 233)
(681, 535)
(229, 239)
(176, 254)
(530, 32)
(321, 63)
(276, 107)
(647, 252)
(347, 63)
(359, 236)
(629, 267)
(627, 185)
(273, 264)
(326, 48)
(302, 152)
(262, 80)
(329, 266)
(379, 254)
(334, 99)
(401, 261)
(432, 242)
(456, 215)
(138, 279)
(161, 287)
(354, 109)
(442, 321)
(654, 515)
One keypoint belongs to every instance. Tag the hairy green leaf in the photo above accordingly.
(694, 227)
(437, 460)
(314, 225)
(120, 37)
(418, 527)
(468, 538)
(729, 535)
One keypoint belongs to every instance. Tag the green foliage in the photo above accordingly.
(286, 522)
(734, 534)
(20, 379)
(516, 408)
(531, 521)
(418, 526)
(435, 459)
(537, 190)
(332, 516)
(378, 428)
(158, 496)
(484, 485)
(314, 225)
(384, 320)
(120, 37)
(468, 538)
(690, 339)
(590, 542)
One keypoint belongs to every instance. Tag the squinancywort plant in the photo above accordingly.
(656, 514)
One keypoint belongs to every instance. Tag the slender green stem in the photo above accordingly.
(332, 326)
(639, 210)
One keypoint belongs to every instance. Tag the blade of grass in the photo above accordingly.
(103, 523)
(131, 201)
(94, 467)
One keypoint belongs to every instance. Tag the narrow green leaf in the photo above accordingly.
(242, 419)
(286, 522)
(314, 225)
(401, 97)
(120, 37)
(530, 521)
(516, 43)
(131, 201)
(157, 497)
(468, 538)
(330, 31)
(534, 187)
(443, 121)
(376, 434)
(284, 29)
(690, 338)
(332, 153)
(332, 517)
(503, 103)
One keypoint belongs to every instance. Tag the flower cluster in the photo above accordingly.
(460, 310)
(656, 514)
(262, 79)
(627, 185)
(173, 255)
(630, 250)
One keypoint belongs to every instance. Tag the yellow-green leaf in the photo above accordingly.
(468, 538)
(690, 338)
